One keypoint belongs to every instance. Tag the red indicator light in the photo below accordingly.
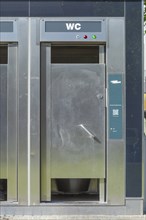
(85, 36)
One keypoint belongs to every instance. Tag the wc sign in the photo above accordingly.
(73, 26)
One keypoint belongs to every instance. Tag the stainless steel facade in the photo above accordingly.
(44, 136)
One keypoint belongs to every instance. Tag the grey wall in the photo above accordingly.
(14, 8)
(61, 8)
(134, 84)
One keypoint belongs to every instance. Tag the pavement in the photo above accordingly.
(75, 217)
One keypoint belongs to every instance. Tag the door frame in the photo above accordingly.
(46, 133)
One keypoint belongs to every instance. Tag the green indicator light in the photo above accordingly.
(94, 36)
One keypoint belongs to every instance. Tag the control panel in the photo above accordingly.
(73, 30)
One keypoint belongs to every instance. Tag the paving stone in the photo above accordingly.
(75, 217)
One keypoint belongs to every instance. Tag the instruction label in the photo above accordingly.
(115, 106)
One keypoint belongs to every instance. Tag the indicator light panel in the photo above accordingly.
(90, 37)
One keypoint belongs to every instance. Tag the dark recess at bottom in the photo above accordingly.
(3, 189)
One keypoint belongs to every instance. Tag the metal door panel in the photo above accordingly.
(77, 121)
(12, 129)
(3, 121)
(8, 122)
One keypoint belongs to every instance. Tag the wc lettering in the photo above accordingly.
(73, 26)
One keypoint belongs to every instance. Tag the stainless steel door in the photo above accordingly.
(72, 115)
(77, 117)
(8, 118)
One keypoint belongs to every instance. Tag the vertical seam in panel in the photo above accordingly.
(29, 8)
(143, 150)
(8, 48)
(17, 113)
(29, 71)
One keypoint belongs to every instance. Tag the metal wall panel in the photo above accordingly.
(116, 148)
(35, 114)
(23, 111)
(45, 123)
(76, 8)
(14, 8)
(3, 121)
(134, 98)
(12, 111)
(116, 46)
(61, 8)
